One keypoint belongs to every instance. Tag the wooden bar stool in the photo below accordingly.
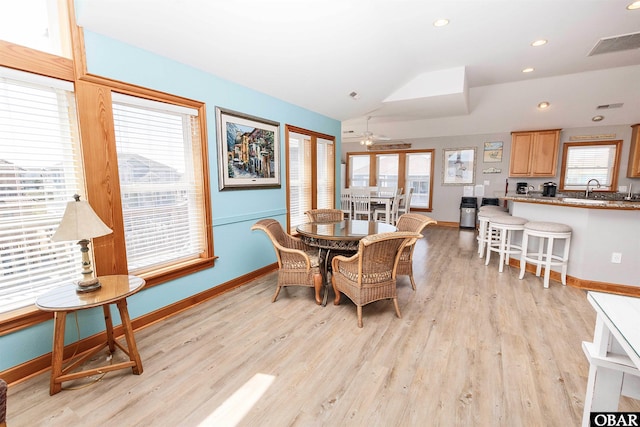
(550, 231)
(483, 228)
(504, 226)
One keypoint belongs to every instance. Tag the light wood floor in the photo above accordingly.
(474, 348)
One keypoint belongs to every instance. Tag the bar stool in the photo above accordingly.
(483, 228)
(550, 231)
(504, 226)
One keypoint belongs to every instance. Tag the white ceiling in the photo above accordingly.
(464, 78)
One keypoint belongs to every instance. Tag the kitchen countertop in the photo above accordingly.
(577, 202)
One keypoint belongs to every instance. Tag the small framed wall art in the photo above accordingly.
(493, 152)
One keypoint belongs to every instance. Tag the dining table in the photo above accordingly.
(338, 238)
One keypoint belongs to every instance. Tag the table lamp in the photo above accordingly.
(81, 223)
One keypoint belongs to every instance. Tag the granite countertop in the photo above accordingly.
(575, 202)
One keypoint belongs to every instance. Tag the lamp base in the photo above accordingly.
(90, 285)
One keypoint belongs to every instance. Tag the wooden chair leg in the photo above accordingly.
(413, 283)
(336, 301)
(359, 309)
(276, 295)
(395, 304)
(317, 284)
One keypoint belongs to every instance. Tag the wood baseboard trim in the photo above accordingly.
(587, 285)
(448, 224)
(41, 364)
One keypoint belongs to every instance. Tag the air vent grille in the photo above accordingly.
(616, 44)
(609, 106)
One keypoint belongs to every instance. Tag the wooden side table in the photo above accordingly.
(64, 300)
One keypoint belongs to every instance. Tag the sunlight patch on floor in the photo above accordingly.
(239, 403)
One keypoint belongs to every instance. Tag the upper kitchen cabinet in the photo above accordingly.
(534, 153)
(633, 170)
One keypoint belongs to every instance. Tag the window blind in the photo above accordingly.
(40, 170)
(158, 146)
(325, 168)
(586, 162)
(299, 179)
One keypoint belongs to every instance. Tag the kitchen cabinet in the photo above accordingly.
(534, 153)
(633, 170)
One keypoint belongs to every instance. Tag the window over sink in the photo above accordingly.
(583, 161)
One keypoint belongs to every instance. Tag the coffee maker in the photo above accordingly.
(549, 189)
(521, 188)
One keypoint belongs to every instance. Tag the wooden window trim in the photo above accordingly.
(402, 159)
(314, 136)
(98, 128)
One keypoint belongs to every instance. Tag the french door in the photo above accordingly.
(310, 173)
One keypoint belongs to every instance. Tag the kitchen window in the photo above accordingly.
(582, 161)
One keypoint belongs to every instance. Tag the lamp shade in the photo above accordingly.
(79, 222)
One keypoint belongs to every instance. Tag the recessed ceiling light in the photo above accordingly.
(597, 118)
(539, 43)
(440, 22)
(528, 70)
(634, 6)
(543, 105)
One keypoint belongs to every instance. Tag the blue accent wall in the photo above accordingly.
(239, 250)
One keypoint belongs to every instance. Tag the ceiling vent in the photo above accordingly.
(609, 106)
(616, 44)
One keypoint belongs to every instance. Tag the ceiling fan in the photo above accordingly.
(369, 138)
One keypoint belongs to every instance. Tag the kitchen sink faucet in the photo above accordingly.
(586, 193)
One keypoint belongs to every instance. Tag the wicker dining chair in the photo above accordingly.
(325, 215)
(298, 263)
(414, 223)
(370, 274)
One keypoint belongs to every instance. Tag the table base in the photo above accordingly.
(60, 373)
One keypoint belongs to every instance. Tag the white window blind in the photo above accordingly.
(585, 162)
(158, 147)
(40, 170)
(325, 172)
(299, 179)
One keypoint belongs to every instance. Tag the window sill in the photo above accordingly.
(25, 317)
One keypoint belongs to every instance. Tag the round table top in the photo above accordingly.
(65, 298)
(344, 230)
